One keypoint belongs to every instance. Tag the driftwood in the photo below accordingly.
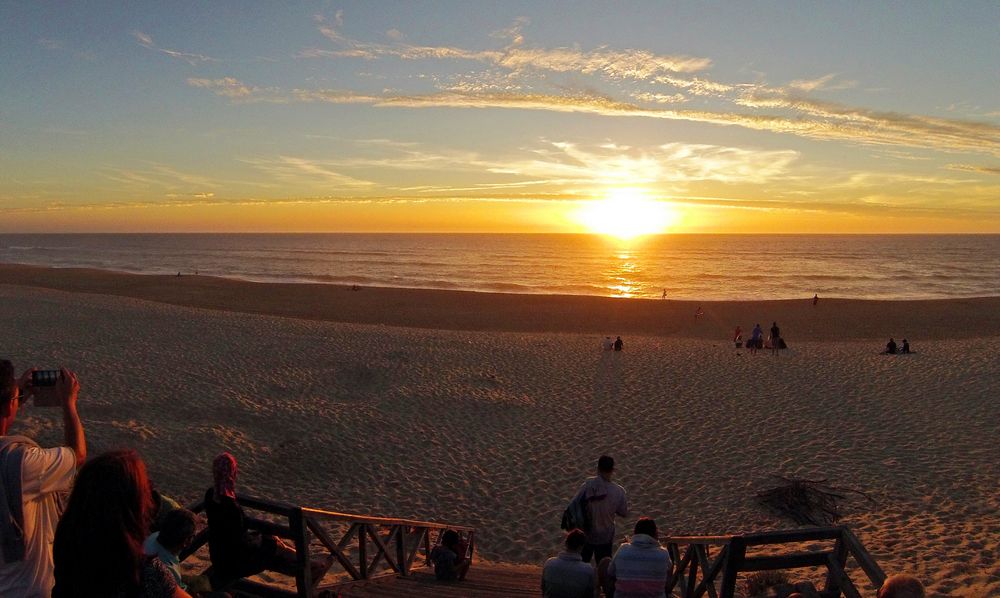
(807, 502)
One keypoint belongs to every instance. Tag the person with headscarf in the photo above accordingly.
(235, 550)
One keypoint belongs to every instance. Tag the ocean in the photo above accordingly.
(703, 267)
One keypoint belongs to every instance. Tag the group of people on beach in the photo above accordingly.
(116, 536)
(891, 348)
(756, 341)
(589, 565)
(608, 345)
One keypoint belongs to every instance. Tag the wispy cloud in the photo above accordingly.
(146, 41)
(995, 170)
(825, 82)
(306, 171)
(517, 57)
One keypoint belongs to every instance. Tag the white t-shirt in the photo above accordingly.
(45, 474)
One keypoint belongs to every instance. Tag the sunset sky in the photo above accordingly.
(500, 116)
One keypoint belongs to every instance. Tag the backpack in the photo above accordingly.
(577, 514)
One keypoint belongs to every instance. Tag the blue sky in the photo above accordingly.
(801, 116)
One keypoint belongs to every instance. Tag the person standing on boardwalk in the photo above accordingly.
(605, 500)
(34, 482)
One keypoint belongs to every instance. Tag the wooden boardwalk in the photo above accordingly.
(484, 581)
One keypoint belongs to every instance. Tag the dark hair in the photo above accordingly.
(605, 464)
(98, 542)
(7, 381)
(178, 527)
(645, 525)
(449, 538)
(575, 539)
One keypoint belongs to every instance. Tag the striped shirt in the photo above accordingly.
(640, 569)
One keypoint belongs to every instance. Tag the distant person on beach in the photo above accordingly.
(234, 549)
(451, 563)
(738, 336)
(605, 500)
(901, 586)
(815, 299)
(607, 344)
(698, 312)
(640, 568)
(756, 338)
(890, 347)
(34, 482)
(664, 294)
(618, 343)
(775, 331)
(566, 575)
(176, 533)
(906, 347)
(98, 544)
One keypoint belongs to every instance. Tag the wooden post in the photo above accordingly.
(401, 551)
(692, 580)
(363, 552)
(303, 572)
(734, 560)
(832, 585)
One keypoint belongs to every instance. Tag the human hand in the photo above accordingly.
(24, 383)
(66, 389)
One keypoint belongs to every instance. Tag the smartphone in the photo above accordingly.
(45, 377)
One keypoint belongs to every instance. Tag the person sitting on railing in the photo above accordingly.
(449, 557)
(901, 586)
(566, 575)
(98, 543)
(235, 550)
(640, 569)
(175, 534)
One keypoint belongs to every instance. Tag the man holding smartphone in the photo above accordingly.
(33, 480)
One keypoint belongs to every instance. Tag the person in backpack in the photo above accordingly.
(605, 500)
(33, 481)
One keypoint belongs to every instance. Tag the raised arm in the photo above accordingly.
(68, 388)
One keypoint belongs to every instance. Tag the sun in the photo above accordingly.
(626, 213)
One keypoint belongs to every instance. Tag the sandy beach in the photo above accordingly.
(489, 410)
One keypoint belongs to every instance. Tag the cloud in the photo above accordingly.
(516, 57)
(297, 170)
(975, 168)
(146, 41)
(228, 87)
(824, 82)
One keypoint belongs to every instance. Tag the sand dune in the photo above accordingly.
(497, 429)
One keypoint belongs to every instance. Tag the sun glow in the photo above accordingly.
(627, 213)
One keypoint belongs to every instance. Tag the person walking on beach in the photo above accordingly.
(775, 339)
(607, 344)
(34, 481)
(756, 338)
(605, 500)
(815, 299)
(618, 344)
(698, 313)
(664, 294)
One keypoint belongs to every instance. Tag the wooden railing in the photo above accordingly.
(697, 571)
(363, 547)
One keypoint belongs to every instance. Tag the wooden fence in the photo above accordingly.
(697, 571)
(363, 547)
